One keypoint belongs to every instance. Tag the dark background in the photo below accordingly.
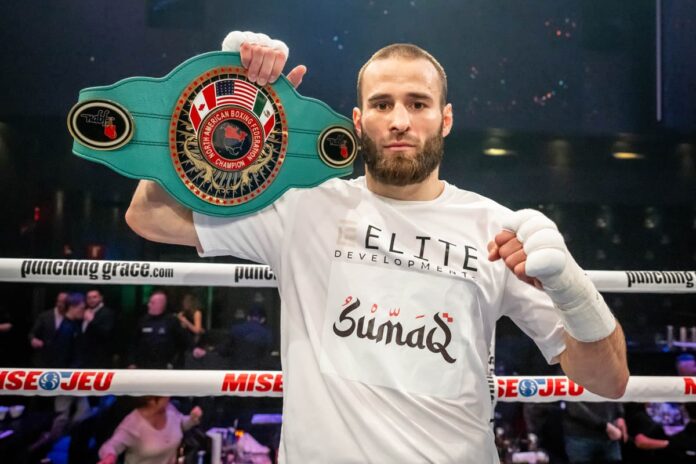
(562, 85)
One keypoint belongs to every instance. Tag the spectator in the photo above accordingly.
(43, 332)
(97, 333)
(649, 438)
(191, 318)
(652, 424)
(160, 339)
(249, 343)
(593, 432)
(151, 434)
(682, 446)
(95, 350)
(69, 410)
(66, 337)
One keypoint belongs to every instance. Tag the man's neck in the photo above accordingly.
(428, 189)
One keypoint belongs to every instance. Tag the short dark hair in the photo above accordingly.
(408, 51)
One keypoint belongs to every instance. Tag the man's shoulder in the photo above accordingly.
(105, 312)
(331, 187)
(475, 200)
(306, 199)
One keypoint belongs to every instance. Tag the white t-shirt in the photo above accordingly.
(145, 444)
(388, 309)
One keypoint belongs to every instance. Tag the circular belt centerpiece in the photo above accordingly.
(231, 138)
(228, 137)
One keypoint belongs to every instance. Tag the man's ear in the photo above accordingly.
(447, 119)
(357, 119)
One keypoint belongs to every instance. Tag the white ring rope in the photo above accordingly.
(79, 382)
(138, 382)
(71, 271)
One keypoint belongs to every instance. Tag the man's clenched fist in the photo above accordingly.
(531, 247)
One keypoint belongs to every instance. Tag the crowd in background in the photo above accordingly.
(600, 432)
(81, 331)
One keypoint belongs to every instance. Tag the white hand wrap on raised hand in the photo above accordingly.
(585, 315)
(235, 39)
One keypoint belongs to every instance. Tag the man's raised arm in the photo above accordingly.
(155, 215)
(595, 354)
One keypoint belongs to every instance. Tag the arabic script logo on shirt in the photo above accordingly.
(435, 339)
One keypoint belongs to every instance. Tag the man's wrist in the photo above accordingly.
(582, 308)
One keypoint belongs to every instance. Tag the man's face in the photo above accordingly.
(60, 301)
(157, 304)
(94, 298)
(76, 311)
(401, 124)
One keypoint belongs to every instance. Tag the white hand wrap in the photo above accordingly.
(235, 39)
(585, 315)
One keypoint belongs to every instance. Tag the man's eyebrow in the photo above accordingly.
(380, 96)
(412, 95)
(420, 96)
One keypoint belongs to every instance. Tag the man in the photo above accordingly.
(44, 330)
(594, 432)
(682, 446)
(69, 410)
(97, 333)
(388, 305)
(95, 351)
(160, 339)
(249, 343)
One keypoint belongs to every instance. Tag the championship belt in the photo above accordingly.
(219, 144)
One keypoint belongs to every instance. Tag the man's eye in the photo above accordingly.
(382, 106)
(419, 105)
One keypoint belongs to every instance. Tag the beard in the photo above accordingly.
(399, 169)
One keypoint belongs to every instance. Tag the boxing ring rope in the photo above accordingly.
(36, 270)
(85, 382)
(137, 382)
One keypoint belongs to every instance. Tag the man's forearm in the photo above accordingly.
(156, 216)
(598, 366)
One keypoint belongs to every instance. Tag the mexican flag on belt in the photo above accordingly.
(263, 109)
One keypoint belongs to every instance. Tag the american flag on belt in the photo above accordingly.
(235, 92)
(232, 92)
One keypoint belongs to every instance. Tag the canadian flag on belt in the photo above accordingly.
(232, 92)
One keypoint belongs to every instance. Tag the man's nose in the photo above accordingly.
(400, 119)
